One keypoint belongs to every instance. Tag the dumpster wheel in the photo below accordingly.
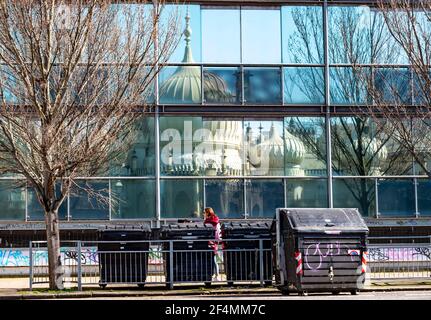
(354, 292)
(102, 285)
(303, 293)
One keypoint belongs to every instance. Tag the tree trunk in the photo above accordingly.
(53, 243)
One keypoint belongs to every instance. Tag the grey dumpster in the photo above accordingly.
(319, 250)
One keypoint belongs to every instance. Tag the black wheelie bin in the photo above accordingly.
(123, 254)
(243, 257)
(192, 255)
(319, 250)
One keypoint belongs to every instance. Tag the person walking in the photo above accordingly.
(211, 218)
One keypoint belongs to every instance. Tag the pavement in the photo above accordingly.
(18, 288)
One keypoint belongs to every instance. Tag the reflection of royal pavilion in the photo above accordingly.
(271, 151)
(218, 147)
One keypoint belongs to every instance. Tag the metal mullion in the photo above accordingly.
(249, 177)
(110, 199)
(26, 218)
(245, 198)
(156, 124)
(204, 198)
(415, 183)
(376, 185)
(68, 216)
(327, 103)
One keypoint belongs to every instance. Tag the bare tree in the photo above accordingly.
(75, 77)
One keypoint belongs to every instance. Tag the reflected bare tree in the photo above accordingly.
(401, 97)
(359, 146)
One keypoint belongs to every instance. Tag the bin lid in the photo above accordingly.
(121, 228)
(324, 220)
(186, 226)
(241, 225)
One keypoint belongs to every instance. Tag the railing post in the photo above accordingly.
(171, 264)
(261, 261)
(31, 265)
(79, 267)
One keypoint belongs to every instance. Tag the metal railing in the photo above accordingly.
(192, 261)
(400, 258)
(162, 262)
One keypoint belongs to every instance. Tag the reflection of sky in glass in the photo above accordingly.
(261, 36)
(221, 36)
(195, 25)
(304, 85)
(295, 49)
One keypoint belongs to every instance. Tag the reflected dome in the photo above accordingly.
(184, 85)
(295, 150)
(373, 149)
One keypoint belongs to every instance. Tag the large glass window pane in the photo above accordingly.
(348, 85)
(392, 85)
(177, 145)
(359, 34)
(139, 160)
(264, 147)
(221, 39)
(263, 197)
(384, 48)
(180, 85)
(93, 205)
(12, 199)
(421, 140)
(302, 34)
(424, 197)
(349, 34)
(179, 12)
(306, 193)
(222, 85)
(133, 199)
(261, 36)
(421, 88)
(355, 193)
(304, 85)
(35, 211)
(396, 197)
(262, 85)
(226, 197)
(191, 146)
(305, 146)
(219, 147)
(181, 198)
(361, 147)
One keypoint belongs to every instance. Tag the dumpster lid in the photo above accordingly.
(186, 226)
(326, 220)
(115, 228)
(232, 225)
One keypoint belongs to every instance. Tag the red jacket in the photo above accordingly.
(214, 220)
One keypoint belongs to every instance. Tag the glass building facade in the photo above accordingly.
(253, 111)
